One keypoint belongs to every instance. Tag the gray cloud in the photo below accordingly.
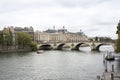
(95, 18)
(16, 5)
(80, 3)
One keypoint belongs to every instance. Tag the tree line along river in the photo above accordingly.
(55, 65)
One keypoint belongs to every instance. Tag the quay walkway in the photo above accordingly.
(110, 76)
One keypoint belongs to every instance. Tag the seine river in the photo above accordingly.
(55, 65)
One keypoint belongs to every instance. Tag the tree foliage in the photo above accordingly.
(33, 46)
(20, 41)
(23, 39)
(9, 38)
(1, 38)
(118, 45)
(6, 38)
(118, 40)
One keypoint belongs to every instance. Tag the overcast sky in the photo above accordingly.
(93, 17)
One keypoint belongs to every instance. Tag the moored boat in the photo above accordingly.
(110, 57)
(40, 51)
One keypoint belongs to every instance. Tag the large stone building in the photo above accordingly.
(61, 35)
(57, 37)
(50, 35)
(74, 37)
(41, 37)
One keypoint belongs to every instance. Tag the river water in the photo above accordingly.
(55, 65)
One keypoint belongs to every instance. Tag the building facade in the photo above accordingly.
(59, 36)
(41, 37)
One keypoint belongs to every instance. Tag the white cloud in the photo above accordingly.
(95, 18)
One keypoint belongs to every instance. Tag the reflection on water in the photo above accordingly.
(107, 48)
(54, 65)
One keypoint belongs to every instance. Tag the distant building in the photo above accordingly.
(50, 31)
(44, 37)
(56, 31)
(101, 39)
(60, 35)
(62, 30)
(57, 37)
(28, 30)
(73, 37)
(41, 37)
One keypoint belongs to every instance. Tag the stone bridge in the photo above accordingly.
(73, 45)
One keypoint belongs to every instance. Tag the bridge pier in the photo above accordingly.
(94, 49)
(74, 49)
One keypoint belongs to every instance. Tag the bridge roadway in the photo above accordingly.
(73, 45)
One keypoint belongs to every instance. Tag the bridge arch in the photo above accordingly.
(45, 47)
(78, 46)
(60, 46)
(98, 46)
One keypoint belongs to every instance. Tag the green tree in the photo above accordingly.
(118, 40)
(23, 40)
(6, 38)
(1, 38)
(9, 38)
(33, 46)
(118, 45)
(118, 29)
